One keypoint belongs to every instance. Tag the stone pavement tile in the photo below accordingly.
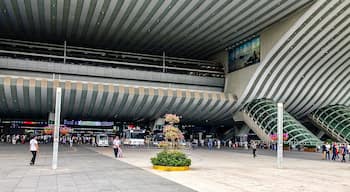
(66, 184)
(98, 188)
(65, 181)
(46, 190)
(86, 185)
(16, 173)
(46, 185)
(47, 182)
(28, 182)
(83, 171)
(7, 189)
(33, 172)
(67, 189)
(9, 183)
(3, 174)
(25, 190)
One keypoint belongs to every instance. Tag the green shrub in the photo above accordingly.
(171, 158)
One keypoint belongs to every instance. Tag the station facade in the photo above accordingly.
(220, 65)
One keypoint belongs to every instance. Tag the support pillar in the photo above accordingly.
(279, 135)
(57, 128)
(320, 134)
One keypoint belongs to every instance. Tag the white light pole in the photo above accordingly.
(279, 135)
(57, 127)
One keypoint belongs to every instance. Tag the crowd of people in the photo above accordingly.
(45, 139)
(14, 139)
(338, 151)
(330, 151)
(217, 143)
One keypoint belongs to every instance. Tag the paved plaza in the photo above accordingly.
(80, 169)
(229, 170)
(84, 168)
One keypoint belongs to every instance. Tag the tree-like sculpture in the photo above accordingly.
(172, 134)
(171, 159)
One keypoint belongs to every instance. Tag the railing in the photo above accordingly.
(90, 56)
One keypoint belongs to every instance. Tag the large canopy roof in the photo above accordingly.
(186, 28)
(24, 97)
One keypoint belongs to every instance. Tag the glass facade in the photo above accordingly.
(264, 114)
(335, 120)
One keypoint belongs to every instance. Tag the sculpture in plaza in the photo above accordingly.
(173, 134)
(171, 158)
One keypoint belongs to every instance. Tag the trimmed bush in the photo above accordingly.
(171, 158)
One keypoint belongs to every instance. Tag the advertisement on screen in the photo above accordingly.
(243, 55)
(88, 123)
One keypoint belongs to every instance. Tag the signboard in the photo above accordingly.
(89, 123)
(25, 122)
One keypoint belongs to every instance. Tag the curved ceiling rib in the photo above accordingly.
(309, 67)
(32, 98)
(186, 28)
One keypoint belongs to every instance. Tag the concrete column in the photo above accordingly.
(320, 134)
(279, 134)
(57, 128)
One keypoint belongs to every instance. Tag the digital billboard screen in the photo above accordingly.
(243, 55)
(89, 123)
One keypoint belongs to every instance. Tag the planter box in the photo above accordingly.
(170, 168)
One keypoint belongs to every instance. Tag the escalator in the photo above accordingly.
(334, 120)
(261, 116)
(229, 134)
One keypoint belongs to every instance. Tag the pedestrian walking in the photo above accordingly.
(33, 148)
(328, 148)
(210, 143)
(343, 152)
(348, 147)
(120, 152)
(253, 146)
(324, 151)
(334, 152)
(71, 142)
(93, 141)
(116, 146)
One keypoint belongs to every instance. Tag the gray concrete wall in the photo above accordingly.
(237, 81)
